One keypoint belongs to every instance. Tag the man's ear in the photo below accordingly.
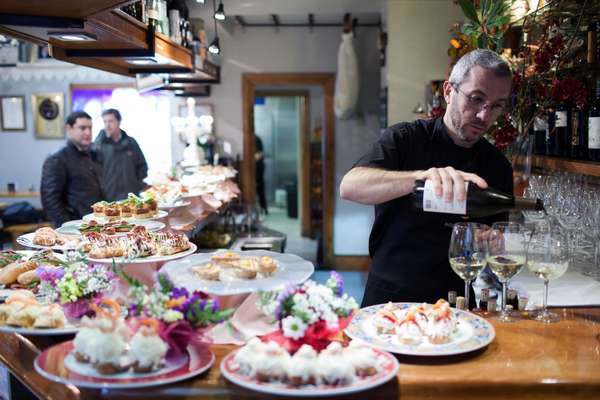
(447, 90)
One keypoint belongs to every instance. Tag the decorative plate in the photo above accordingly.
(292, 269)
(70, 328)
(26, 240)
(388, 370)
(144, 260)
(159, 215)
(472, 334)
(59, 365)
(71, 227)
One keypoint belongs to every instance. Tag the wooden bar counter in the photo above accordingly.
(527, 359)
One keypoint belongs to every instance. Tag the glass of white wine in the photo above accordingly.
(548, 258)
(467, 252)
(507, 251)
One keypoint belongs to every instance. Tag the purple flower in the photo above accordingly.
(287, 292)
(49, 273)
(338, 289)
(215, 305)
(179, 292)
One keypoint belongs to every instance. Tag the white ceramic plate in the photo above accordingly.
(26, 240)
(71, 227)
(388, 368)
(159, 215)
(58, 365)
(68, 329)
(177, 204)
(472, 334)
(292, 269)
(144, 260)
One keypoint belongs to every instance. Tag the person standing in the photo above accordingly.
(409, 249)
(123, 164)
(71, 176)
(259, 158)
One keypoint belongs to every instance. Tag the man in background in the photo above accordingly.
(123, 164)
(259, 158)
(71, 176)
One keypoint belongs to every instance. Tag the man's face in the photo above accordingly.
(81, 132)
(475, 105)
(112, 126)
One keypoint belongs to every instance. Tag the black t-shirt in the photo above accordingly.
(408, 247)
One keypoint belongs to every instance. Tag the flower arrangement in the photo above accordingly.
(309, 313)
(181, 314)
(75, 286)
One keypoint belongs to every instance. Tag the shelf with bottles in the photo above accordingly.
(591, 168)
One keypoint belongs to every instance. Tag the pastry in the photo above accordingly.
(147, 348)
(8, 257)
(169, 243)
(274, 364)
(246, 268)
(208, 271)
(11, 272)
(362, 358)
(302, 366)
(46, 237)
(112, 212)
(226, 259)
(141, 211)
(267, 265)
(98, 208)
(51, 316)
(126, 209)
(27, 278)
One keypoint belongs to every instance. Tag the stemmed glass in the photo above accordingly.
(467, 252)
(507, 247)
(548, 258)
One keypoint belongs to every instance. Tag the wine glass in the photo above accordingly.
(548, 258)
(507, 250)
(468, 246)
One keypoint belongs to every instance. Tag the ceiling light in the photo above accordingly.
(72, 36)
(200, 1)
(214, 46)
(141, 61)
(220, 13)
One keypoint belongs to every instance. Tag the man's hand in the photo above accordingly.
(449, 181)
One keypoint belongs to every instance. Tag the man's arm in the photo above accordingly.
(141, 168)
(367, 185)
(53, 187)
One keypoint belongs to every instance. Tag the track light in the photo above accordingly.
(214, 47)
(220, 13)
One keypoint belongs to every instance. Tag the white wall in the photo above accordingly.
(265, 50)
(418, 40)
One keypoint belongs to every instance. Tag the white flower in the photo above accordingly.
(293, 327)
(172, 316)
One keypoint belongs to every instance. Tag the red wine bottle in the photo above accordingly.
(479, 202)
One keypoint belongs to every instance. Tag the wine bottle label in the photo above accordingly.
(432, 203)
(575, 129)
(594, 133)
(152, 13)
(561, 119)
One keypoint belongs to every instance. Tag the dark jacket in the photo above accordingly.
(70, 184)
(124, 166)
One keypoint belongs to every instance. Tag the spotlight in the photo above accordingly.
(220, 13)
(214, 46)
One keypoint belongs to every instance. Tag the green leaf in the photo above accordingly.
(482, 42)
(468, 8)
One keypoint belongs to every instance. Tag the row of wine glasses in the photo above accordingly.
(574, 202)
(506, 247)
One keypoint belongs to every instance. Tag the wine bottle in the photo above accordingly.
(562, 131)
(479, 202)
(594, 125)
(540, 135)
(591, 43)
(579, 136)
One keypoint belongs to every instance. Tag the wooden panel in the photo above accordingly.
(59, 8)
(34, 38)
(352, 263)
(104, 64)
(561, 164)
(248, 172)
(328, 173)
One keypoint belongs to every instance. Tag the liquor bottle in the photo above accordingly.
(479, 202)
(152, 14)
(512, 299)
(540, 135)
(562, 131)
(594, 125)
(579, 136)
(484, 297)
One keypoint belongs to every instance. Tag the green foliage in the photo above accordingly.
(486, 23)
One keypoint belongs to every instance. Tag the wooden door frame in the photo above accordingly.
(324, 80)
(304, 147)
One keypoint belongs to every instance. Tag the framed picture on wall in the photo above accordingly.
(49, 115)
(12, 113)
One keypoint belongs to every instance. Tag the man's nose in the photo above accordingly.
(485, 115)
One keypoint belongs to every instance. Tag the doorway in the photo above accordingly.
(251, 88)
(282, 128)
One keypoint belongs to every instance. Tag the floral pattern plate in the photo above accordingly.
(58, 364)
(144, 260)
(388, 368)
(473, 333)
(292, 269)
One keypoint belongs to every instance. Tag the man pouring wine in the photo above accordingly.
(409, 248)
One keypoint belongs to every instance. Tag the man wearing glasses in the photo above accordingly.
(409, 249)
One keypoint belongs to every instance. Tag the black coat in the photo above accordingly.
(124, 166)
(70, 184)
